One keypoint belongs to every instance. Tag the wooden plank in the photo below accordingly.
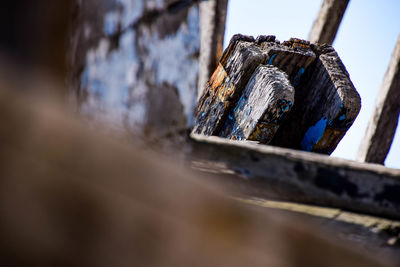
(265, 101)
(326, 106)
(383, 123)
(327, 23)
(285, 174)
(212, 30)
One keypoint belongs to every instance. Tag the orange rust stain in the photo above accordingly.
(263, 132)
(330, 139)
(218, 77)
(297, 43)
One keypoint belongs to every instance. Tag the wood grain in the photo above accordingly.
(383, 123)
(265, 101)
(325, 101)
(327, 23)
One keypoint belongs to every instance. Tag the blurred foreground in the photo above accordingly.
(71, 196)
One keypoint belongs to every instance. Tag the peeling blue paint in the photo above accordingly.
(271, 59)
(314, 134)
(298, 77)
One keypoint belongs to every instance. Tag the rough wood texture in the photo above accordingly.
(285, 174)
(267, 98)
(212, 30)
(128, 57)
(382, 125)
(236, 67)
(325, 104)
(327, 23)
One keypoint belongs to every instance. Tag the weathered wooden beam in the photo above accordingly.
(236, 67)
(326, 106)
(212, 30)
(285, 174)
(326, 102)
(327, 23)
(265, 101)
(383, 123)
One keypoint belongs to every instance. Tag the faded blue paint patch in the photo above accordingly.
(111, 22)
(85, 78)
(271, 59)
(298, 77)
(314, 134)
(240, 104)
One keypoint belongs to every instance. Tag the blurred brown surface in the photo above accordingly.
(72, 197)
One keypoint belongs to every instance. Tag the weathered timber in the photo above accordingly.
(383, 123)
(265, 101)
(326, 106)
(293, 57)
(286, 174)
(237, 65)
(212, 30)
(127, 60)
(326, 102)
(327, 23)
(227, 83)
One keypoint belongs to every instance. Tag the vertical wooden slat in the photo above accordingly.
(212, 30)
(382, 125)
(328, 20)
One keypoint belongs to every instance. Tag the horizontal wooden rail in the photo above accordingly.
(286, 174)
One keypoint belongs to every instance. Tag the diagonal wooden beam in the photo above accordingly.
(212, 30)
(383, 123)
(285, 174)
(327, 23)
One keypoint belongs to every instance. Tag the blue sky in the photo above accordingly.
(365, 41)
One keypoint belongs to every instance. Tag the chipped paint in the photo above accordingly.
(298, 77)
(314, 134)
(107, 78)
(271, 59)
(134, 63)
(173, 56)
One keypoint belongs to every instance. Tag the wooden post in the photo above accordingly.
(265, 101)
(326, 105)
(212, 30)
(382, 125)
(325, 101)
(327, 22)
